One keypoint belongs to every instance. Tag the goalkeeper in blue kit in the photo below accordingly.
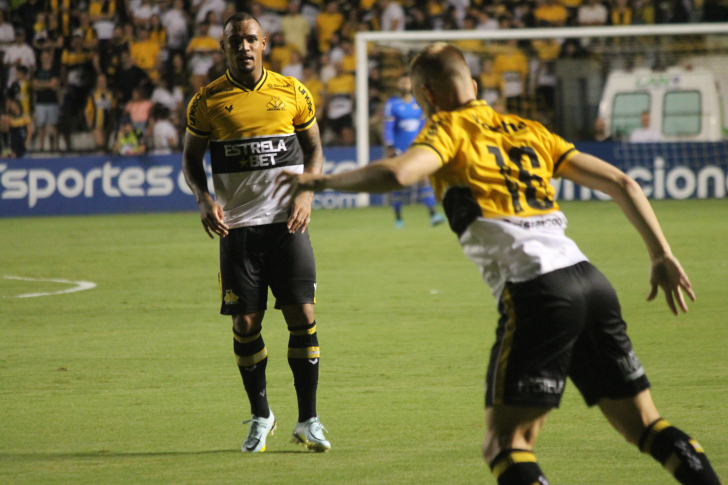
(403, 121)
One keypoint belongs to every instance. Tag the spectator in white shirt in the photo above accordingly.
(592, 13)
(645, 134)
(19, 54)
(169, 97)
(392, 16)
(294, 67)
(175, 23)
(164, 136)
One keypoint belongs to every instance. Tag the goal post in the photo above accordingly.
(712, 38)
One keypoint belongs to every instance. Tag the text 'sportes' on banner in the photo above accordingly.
(113, 184)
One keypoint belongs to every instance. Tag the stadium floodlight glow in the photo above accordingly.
(402, 39)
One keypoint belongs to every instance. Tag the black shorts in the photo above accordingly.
(257, 257)
(564, 323)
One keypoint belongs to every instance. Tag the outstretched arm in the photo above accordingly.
(383, 176)
(666, 271)
(313, 161)
(211, 212)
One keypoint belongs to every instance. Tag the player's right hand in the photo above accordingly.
(211, 215)
(667, 274)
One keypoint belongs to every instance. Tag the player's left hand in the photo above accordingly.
(299, 214)
(666, 273)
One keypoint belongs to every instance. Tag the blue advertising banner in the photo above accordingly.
(112, 184)
(109, 184)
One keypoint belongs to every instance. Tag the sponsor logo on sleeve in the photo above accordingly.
(307, 98)
(193, 109)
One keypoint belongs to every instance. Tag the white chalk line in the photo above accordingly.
(80, 286)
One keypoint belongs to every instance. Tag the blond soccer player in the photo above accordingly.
(559, 316)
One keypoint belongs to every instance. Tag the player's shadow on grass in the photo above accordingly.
(112, 454)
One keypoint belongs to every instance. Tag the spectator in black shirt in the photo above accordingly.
(47, 109)
(128, 78)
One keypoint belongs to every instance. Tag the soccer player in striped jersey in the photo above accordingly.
(403, 121)
(559, 316)
(258, 123)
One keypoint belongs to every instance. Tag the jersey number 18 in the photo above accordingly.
(532, 181)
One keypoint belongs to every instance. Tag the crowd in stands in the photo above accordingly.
(116, 75)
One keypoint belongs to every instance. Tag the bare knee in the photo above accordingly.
(248, 324)
(298, 315)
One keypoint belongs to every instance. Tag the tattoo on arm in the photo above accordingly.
(313, 155)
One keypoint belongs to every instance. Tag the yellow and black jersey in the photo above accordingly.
(252, 138)
(98, 109)
(505, 161)
(495, 179)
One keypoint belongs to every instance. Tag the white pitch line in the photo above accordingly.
(80, 286)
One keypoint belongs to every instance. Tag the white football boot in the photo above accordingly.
(259, 430)
(310, 434)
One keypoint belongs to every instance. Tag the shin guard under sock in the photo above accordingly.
(252, 358)
(303, 358)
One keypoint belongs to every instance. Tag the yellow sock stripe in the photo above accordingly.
(249, 360)
(246, 340)
(654, 431)
(697, 446)
(308, 331)
(512, 459)
(304, 353)
(672, 463)
(507, 343)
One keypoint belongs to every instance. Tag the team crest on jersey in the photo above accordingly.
(276, 104)
(230, 297)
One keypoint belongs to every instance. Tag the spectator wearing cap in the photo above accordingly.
(128, 140)
(19, 54)
(296, 27)
(146, 52)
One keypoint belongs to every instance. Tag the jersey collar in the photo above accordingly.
(242, 86)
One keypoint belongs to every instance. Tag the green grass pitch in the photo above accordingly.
(135, 381)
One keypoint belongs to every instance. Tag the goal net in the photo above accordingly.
(587, 84)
